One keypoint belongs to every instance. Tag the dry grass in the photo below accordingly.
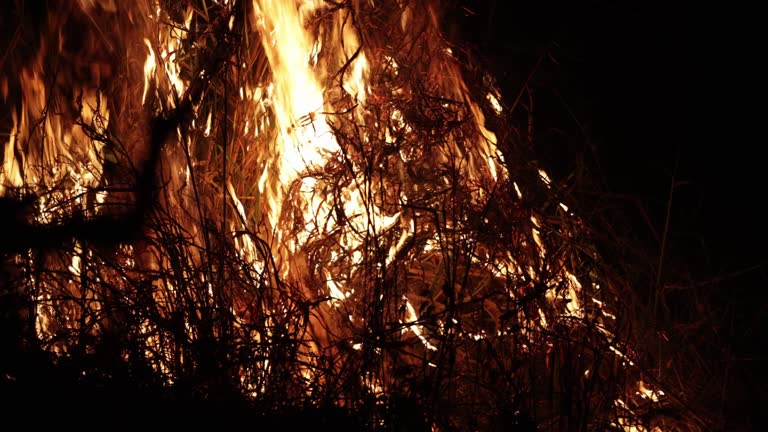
(179, 312)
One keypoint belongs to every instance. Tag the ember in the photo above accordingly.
(321, 216)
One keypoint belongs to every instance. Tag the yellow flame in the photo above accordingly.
(495, 104)
(149, 69)
(298, 94)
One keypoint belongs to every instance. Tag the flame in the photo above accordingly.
(52, 146)
(149, 69)
(291, 127)
(647, 393)
(304, 135)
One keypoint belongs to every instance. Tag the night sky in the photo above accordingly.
(648, 93)
(658, 92)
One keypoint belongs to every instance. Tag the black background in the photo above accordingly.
(660, 97)
(661, 91)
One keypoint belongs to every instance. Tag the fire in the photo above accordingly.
(348, 173)
(149, 69)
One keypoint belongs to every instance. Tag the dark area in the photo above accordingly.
(654, 98)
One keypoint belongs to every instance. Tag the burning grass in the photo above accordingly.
(298, 205)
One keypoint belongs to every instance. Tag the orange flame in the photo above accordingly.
(320, 69)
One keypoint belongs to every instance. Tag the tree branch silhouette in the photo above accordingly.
(110, 229)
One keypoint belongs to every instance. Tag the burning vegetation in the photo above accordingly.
(300, 204)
